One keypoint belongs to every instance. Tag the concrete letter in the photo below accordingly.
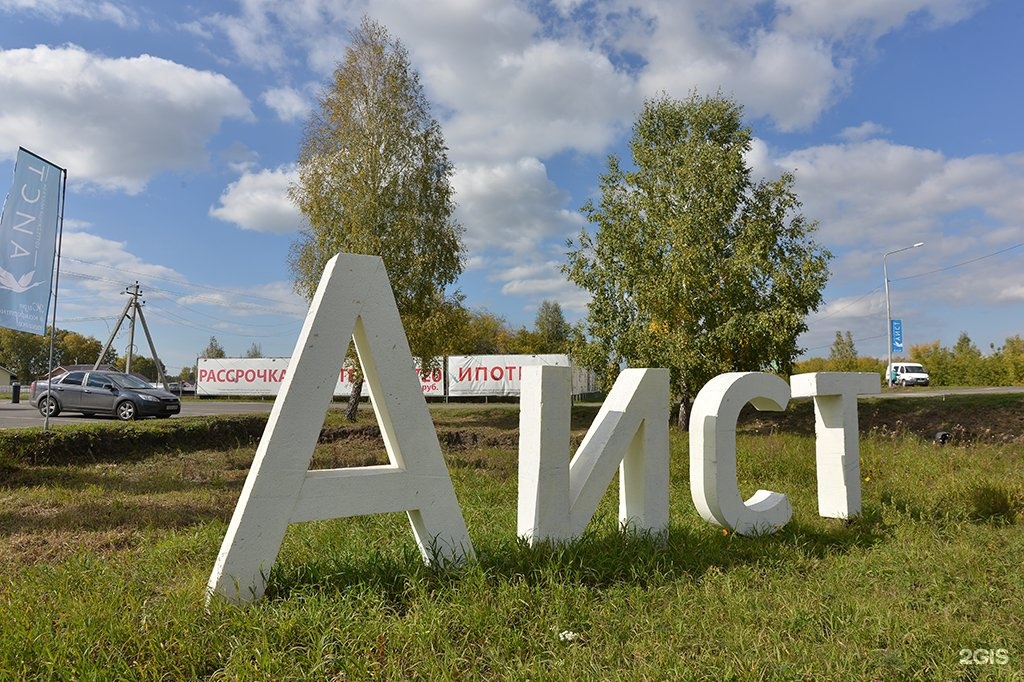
(354, 300)
(713, 483)
(836, 443)
(557, 498)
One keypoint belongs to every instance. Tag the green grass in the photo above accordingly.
(104, 566)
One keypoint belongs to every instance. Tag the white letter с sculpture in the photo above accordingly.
(713, 453)
(354, 300)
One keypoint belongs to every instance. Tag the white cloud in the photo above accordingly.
(864, 131)
(867, 18)
(55, 10)
(515, 83)
(873, 192)
(875, 196)
(94, 272)
(538, 281)
(113, 123)
(278, 298)
(288, 103)
(259, 202)
(511, 208)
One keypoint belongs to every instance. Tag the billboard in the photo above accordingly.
(497, 375)
(897, 336)
(264, 376)
(466, 375)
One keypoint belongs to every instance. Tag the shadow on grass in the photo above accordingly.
(600, 559)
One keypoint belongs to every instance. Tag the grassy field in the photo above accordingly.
(104, 565)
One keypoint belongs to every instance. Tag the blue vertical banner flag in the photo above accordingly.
(897, 336)
(28, 235)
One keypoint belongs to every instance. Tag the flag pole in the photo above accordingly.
(56, 282)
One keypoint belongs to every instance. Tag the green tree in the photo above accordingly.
(693, 265)
(936, 359)
(524, 341)
(552, 328)
(213, 350)
(26, 355)
(75, 349)
(967, 363)
(480, 332)
(1011, 356)
(255, 351)
(142, 366)
(843, 355)
(374, 178)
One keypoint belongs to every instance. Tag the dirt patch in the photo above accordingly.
(964, 419)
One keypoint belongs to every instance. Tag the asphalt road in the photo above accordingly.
(23, 414)
(19, 415)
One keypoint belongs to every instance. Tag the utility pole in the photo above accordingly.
(134, 308)
(888, 312)
(134, 292)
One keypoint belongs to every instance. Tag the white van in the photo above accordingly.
(908, 374)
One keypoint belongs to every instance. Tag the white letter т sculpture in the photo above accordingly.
(353, 301)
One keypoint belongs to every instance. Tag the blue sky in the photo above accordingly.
(179, 124)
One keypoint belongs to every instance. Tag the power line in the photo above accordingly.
(958, 265)
(150, 276)
(921, 274)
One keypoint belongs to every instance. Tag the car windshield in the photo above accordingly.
(915, 369)
(126, 380)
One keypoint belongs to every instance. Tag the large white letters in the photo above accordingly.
(713, 452)
(713, 445)
(353, 300)
(557, 497)
(837, 447)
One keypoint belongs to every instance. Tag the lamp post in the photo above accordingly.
(888, 314)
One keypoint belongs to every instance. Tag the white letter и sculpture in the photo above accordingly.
(557, 498)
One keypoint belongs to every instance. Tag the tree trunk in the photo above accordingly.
(353, 400)
(683, 413)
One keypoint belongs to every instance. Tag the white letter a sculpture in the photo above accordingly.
(354, 300)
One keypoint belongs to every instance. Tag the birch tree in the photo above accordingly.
(692, 265)
(374, 178)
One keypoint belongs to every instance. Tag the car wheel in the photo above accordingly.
(49, 406)
(126, 410)
(903, 383)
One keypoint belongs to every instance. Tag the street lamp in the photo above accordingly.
(888, 315)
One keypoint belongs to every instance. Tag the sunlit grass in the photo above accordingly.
(104, 570)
